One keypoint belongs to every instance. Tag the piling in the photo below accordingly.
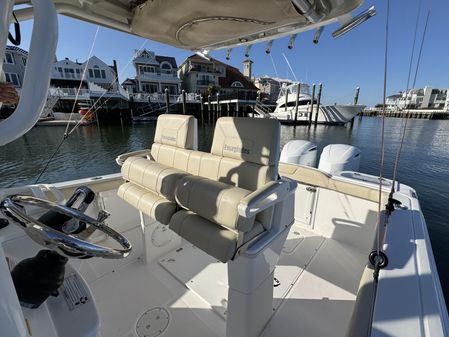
(209, 110)
(298, 87)
(313, 101)
(184, 103)
(167, 101)
(356, 101)
(356, 97)
(318, 101)
(202, 109)
(218, 106)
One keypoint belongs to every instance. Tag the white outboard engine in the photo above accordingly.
(339, 157)
(299, 152)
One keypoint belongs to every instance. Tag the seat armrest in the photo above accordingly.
(140, 153)
(265, 197)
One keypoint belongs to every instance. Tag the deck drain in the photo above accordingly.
(153, 322)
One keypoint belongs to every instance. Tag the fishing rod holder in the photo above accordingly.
(354, 22)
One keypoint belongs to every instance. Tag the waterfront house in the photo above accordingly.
(100, 82)
(212, 76)
(154, 74)
(269, 87)
(422, 98)
(14, 65)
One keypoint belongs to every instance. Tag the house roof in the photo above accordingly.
(14, 48)
(168, 59)
(129, 81)
(234, 75)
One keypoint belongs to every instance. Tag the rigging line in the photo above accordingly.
(83, 76)
(64, 137)
(288, 63)
(414, 83)
(378, 248)
(95, 102)
(65, 134)
(274, 66)
(404, 123)
(382, 144)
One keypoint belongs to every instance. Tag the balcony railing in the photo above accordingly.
(204, 82)
(69, 76)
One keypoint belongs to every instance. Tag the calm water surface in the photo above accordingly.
(91, 151)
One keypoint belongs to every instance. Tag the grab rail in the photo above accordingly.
(38, 70)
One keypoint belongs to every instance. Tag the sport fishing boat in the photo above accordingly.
(230, 242)
(292, 108)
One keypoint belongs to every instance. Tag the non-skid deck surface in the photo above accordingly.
(317, 280)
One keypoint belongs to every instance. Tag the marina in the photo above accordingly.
(151, 188)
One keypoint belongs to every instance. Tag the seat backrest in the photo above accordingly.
(173, 133)
(248, 150)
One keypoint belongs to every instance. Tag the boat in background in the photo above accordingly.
(287, 111)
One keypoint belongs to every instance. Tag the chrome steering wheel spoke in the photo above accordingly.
(70, 245)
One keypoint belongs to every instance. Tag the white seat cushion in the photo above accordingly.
(148, 202)
(153, 176)
(214, 201)
(214, 240)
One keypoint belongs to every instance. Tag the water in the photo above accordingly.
(91, 151)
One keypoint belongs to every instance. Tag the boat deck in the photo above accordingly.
(316, 282)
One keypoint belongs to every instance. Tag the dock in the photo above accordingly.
(412, 113)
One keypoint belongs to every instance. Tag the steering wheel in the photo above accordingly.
(69, 245)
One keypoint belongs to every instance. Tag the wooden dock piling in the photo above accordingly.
(298, 88)
(320, 87)
(167, 101)
(184, 103)
(313, 101)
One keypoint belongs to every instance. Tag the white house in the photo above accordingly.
(423, 98)
(154, 73)
(67, 74)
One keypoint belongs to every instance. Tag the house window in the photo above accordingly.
(91, 73)
(172, 89)
(150, 87)
(13, 78)
(97, 72)
(147, 69)
(8, 58)
(237, 84)
(166, 68)
(103, 74)
(69, 73)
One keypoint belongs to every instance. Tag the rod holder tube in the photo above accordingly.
(354, 22)
(317, 35)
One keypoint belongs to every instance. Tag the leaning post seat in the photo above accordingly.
(241, 168)
(150, 183)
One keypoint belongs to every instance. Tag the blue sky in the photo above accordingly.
(355, 59)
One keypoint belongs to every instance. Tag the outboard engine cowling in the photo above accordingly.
(339, 157)
(301, 152)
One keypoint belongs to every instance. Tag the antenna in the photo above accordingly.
(288, 63)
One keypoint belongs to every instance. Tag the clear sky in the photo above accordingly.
(355, 59)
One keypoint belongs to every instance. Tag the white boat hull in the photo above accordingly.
(328, 114)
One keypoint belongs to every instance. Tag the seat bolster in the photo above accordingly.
(148, 202)
(213, 200)
(153, 176)
(217, 241)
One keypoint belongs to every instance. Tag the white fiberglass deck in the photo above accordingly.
(315, 278)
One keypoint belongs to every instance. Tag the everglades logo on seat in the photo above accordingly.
(169, 138)
(236, 149)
